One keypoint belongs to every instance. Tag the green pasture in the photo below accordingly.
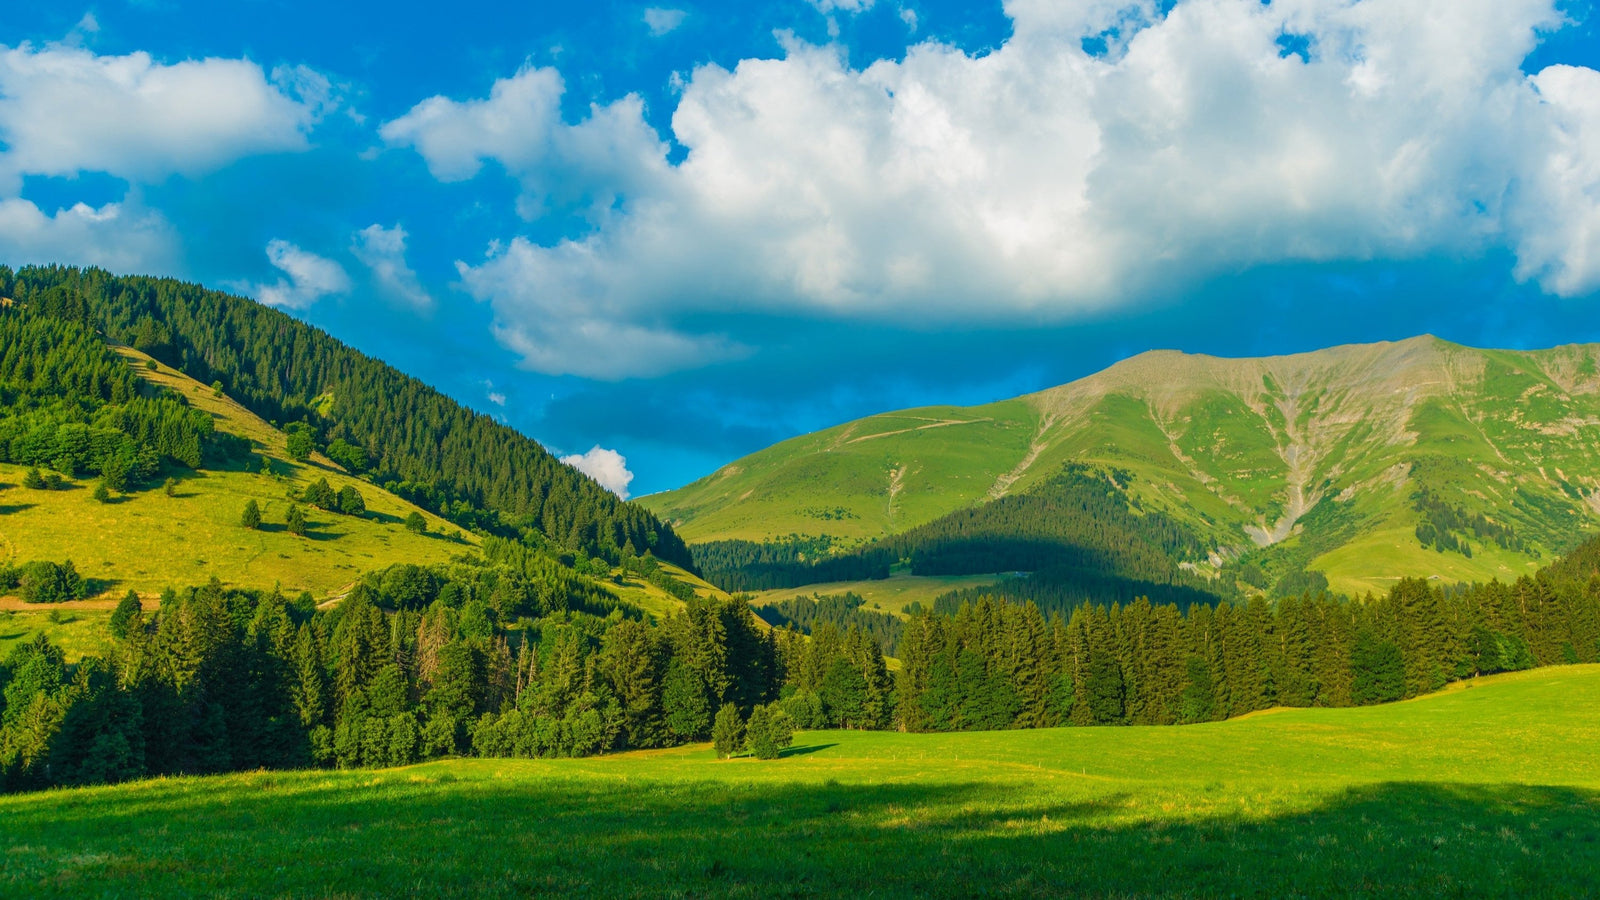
(888, 595)
(1491, 789)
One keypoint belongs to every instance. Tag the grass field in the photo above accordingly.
(889, 595)
(78, 631)
(1492, 789)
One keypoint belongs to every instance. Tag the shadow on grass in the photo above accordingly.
(434, 831)
(94, 587)
(9, 508)
(803, 750)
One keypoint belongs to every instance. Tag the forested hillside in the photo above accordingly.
(412, 439)
(1358, 464)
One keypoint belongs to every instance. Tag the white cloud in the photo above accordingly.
(383, 250)
(846, 6)
(65, 110)
(310, 278)
(519, 126)
(114, 237)
(909, 16)
(1038, 181)
(662, 21)
(556, 328)
(608, 467)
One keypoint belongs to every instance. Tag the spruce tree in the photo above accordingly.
(101, 493)
(296, 520)
(727, 732)
(128, 617)
(33, 479)
(251, 517)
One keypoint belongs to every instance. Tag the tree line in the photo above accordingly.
(793, 561)
(516, 654)
(461, 465)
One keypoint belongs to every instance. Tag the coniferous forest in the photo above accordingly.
(512, 654)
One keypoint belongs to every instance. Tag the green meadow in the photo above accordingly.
(888, 595)
(1488, 789)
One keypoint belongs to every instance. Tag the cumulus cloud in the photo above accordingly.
(65, 110)
(309, 278)
(607, 467)
(662, 21)
(113, 236)
(1038, 181)
(383, 251)
(563, 329)
(590, 164)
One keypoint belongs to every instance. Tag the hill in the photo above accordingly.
(1432, 797)
(1364, 463)
(146, 541)
(407, 436)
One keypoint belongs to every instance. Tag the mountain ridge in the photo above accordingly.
(1245, 451)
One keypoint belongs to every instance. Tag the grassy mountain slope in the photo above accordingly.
(1487, 790)
(463, 465)
(147, 541)
(1330, 460)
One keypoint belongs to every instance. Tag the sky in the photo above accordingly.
(659, 236)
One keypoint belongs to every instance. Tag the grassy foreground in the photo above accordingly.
(1491, 789)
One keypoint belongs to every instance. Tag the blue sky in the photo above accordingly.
(682, 231)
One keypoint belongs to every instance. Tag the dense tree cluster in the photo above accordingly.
(1447, 527)
(995, 665)
(453, 460)
(842, 611)
(515, 657)
(69, 403)
(42, 581)
(1081, 521)
(794, 561)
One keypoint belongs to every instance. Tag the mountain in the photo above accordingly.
(1364, 462)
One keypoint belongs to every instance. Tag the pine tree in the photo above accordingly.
(128, 617)
(683, 701)
(251, 517)
(768, 732)
(727, 732)
(33, 480)
(296, 520)
(101, 493)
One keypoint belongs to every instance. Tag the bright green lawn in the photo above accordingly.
(1491, 790)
